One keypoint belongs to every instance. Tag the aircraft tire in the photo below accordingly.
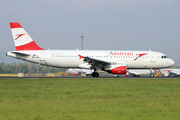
(95, 74)
(151, 75)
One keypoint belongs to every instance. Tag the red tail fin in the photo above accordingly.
(21, 38)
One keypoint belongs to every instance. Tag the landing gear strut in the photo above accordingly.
(151, 73)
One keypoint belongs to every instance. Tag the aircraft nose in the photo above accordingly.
(171, 62)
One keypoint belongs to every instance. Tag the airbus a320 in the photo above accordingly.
(111, 61)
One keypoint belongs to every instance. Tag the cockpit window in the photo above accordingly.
(163, 57)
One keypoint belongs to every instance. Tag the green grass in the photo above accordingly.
(89, 99)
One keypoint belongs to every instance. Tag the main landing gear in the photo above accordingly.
(95, 74)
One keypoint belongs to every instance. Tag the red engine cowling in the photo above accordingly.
(119, 69)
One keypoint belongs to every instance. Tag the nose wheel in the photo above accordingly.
(151, 73)
(95, 74)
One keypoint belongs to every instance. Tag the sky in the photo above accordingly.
(105, 24)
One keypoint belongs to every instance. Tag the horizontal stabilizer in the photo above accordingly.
(21, 54)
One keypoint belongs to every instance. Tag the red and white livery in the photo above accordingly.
(21, 38)
(112, 61)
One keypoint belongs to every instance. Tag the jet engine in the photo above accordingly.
(117, 69)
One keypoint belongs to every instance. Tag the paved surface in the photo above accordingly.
(96, 77)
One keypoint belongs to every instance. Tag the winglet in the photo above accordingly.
(80, 56)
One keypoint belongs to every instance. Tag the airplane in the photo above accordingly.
(78, 72)
(139, 72)
(111, 61)
(143, 72)
(171, 72)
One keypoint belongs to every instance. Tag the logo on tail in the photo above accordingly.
(24, 43)
(19, 35)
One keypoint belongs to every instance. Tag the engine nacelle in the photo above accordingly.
(118, 69)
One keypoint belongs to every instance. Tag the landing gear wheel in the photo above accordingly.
(151, 75)
(95, 74)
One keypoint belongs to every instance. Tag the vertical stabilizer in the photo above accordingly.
(21, 38)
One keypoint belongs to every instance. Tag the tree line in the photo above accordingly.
(26, 67)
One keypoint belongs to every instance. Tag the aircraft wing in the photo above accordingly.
(95, 62)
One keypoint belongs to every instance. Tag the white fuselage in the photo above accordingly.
(116, 62)
(70, 58)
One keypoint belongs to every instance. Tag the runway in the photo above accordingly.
(93, 77)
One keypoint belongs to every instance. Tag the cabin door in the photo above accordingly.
(42, 57)
(153, 57)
